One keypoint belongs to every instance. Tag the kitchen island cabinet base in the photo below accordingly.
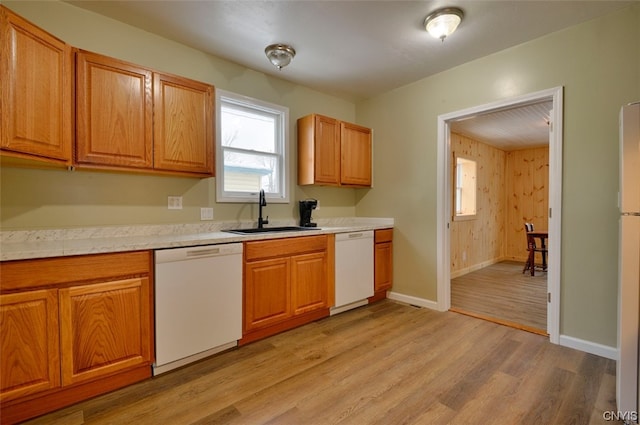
(277, 328)
(40, 403)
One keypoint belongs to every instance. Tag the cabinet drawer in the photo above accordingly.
(282, 247)
(384, 235)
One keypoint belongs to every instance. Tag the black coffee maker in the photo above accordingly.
(306, 207)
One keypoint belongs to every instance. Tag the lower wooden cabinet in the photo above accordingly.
(30, 359)
(309, 288)
(101, 328)
(72, 328)
(287, 282)
(267, 297)
(383, 263)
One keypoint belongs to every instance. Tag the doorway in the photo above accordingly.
(445, 122)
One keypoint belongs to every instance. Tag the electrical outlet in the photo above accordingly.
(206, 214)
(174, 202)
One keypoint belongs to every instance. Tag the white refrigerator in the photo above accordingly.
(627, 367)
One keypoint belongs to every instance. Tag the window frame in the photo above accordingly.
(224, 97)
(461, 187)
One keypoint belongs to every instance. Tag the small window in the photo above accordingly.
(465, 189)
(252, 147)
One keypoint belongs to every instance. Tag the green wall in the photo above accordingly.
(59, 198)
(598, 63)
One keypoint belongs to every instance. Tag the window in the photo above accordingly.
(465, 189)
(252, 147)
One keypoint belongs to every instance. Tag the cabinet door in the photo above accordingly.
(267, 293)
(309, 282)
(36, 86)
(383, 266)
(355, 155)
(114, 112)
(30, 360)
(327, 150)
(105, 328)
(183, 126)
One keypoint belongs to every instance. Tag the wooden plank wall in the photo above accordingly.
(527, 197)
(513, 188)
(478, 242)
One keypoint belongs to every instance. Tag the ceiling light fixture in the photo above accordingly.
(443, 22)
(280, 55)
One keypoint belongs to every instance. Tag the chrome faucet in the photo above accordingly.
(262, 202)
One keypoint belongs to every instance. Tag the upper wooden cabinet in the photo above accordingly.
(114, 112)
(333, 152)
(132, 117)
(183, 125)
(37, 92)
(355, 155)
(126, 117)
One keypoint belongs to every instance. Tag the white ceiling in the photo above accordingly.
(353, 49)
(510, 129)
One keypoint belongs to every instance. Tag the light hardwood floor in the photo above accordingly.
(386, 363)
(501, 292)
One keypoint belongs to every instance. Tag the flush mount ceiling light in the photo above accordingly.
(280, 55)
(443, 22)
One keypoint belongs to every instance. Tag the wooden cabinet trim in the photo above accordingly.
(44, 272)
(272, 248)
(383, 235)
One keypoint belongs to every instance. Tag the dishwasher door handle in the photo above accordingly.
(203, 252)
(354, 236)
(196, 252)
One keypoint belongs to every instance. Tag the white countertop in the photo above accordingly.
(29, 244)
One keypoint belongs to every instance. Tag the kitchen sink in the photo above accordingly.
(271, 229)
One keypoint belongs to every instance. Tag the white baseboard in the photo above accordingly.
(566, 341)
(589, 347)
(475, 267)
(408, 299)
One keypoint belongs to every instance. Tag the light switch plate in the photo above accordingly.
(174, 202)
(206, 214)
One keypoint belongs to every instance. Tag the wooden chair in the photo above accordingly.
(532, 249)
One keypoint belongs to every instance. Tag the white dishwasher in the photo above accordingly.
(198, 309)
(354, 270)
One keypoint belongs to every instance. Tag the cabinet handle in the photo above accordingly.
(201, 252)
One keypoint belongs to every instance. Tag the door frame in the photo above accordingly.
(555, 197)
